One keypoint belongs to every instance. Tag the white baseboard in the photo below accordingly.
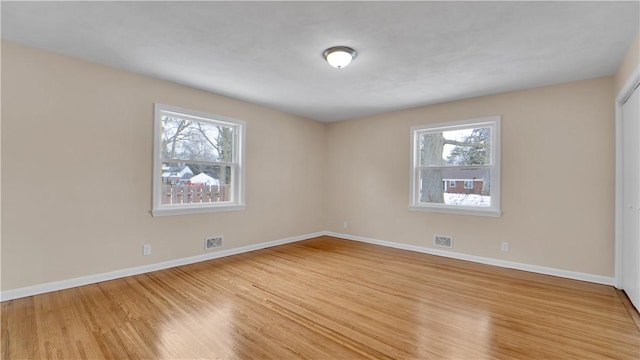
(598, 279)
(92, 279)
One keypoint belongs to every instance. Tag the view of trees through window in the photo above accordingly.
(452, 156)
(197, 165)
(196, 151)
(472, 150)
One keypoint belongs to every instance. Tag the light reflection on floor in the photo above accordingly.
(468, 334)
(210, 333)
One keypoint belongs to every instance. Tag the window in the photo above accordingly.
(468, 184)
(467, 151)
(198, 162)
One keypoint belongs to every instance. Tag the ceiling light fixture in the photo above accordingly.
(339, 56)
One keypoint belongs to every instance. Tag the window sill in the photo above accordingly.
(194, 209)
(457, 210)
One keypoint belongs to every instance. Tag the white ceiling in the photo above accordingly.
(409, 53)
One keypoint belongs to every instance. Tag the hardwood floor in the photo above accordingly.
(324, 298)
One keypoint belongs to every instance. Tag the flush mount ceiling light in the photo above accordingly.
(339, 56)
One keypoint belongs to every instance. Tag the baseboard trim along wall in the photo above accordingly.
(92, 279)
(598, 279)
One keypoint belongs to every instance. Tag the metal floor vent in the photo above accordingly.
(212, 242)
(442, 241)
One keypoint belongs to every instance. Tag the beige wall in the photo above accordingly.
(71, 129)
(557, 178)
(76, 171)
(629, 64)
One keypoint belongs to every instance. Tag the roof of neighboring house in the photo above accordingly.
(184, 172)
(203, 178)
(463, 174)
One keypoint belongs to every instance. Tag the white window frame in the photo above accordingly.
(466, 184)
(494, 210)
(237, 164)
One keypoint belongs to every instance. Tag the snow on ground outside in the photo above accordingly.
(467, 200)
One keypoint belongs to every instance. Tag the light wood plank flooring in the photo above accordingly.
(324, 298)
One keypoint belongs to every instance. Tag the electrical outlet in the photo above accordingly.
(212, 242)
(146, 249)
(504, 246)
(345, 224)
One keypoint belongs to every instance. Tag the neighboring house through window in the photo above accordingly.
(444, 154)
(198, 162)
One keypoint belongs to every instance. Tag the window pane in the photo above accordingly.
(456, 147)
(475, 192)
(184, 183)
(198, 162)
(194, 140)
(457, 167)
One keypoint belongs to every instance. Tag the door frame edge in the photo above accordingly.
(629, 86)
